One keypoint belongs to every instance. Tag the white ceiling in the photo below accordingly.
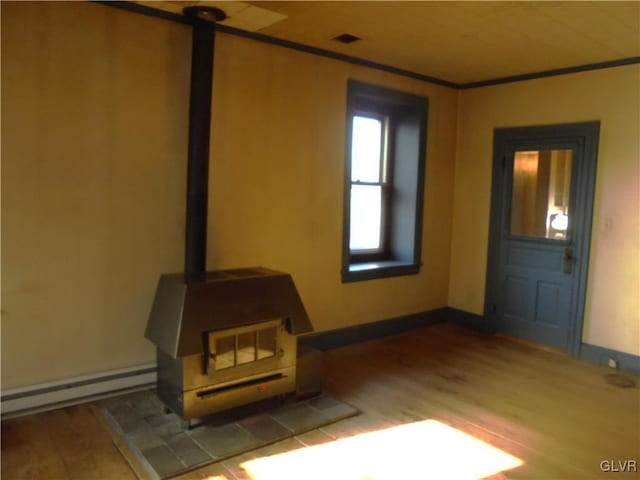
(460, 42)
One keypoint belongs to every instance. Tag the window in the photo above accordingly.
(369, 185)
(384, 182)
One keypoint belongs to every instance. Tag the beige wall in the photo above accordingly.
(612, 96)
(94, 117)
(94, 128)
(277, 180)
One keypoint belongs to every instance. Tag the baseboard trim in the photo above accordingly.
(594, 354)
(626, 362)
(46, 396)
(50, 395)
(370, 331)
(472, 321)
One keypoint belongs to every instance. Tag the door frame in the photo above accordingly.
(585, 136)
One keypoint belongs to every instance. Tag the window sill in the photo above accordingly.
(372, 270)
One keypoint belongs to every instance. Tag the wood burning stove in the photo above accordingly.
(224, 338)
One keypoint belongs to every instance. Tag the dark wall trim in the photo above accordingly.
(370, 331)
(406, 152)
(551, 73)
(174, 17)
(594, 354)
(154, 12)
(341, 337)
(335, 56)
(627, 362)
(472, 321)
(145, 10)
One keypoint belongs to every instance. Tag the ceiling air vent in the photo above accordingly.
(346, 38)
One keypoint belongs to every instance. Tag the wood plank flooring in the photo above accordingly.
(559, 416)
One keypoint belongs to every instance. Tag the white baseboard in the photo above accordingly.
(50, 395)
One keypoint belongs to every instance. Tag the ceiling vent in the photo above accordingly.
(346, 38)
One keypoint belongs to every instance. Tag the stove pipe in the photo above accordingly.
(204, 27)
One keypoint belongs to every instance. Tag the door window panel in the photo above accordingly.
(540, 193)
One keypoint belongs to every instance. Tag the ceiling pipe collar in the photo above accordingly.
(207, 14)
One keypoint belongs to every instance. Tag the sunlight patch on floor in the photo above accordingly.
(426, 449)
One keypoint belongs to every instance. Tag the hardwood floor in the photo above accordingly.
(558, 416)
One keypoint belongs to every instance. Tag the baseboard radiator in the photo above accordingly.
(46, 396)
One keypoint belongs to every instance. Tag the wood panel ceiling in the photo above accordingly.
(460, 42)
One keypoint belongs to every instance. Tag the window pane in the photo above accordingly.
(540, 194)
(365, 149)
(246, 347)
(225, 352)
(366, 211)
(266, 343)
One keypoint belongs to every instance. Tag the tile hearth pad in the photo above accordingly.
(163, 446)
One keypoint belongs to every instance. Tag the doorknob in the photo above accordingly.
(567, 260)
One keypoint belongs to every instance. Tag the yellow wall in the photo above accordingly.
(94, 118)
(612, 317)
(94, 129)
(277, 180)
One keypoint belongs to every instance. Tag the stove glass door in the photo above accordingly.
(243, 345)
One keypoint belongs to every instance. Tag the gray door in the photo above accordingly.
(541, 218)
